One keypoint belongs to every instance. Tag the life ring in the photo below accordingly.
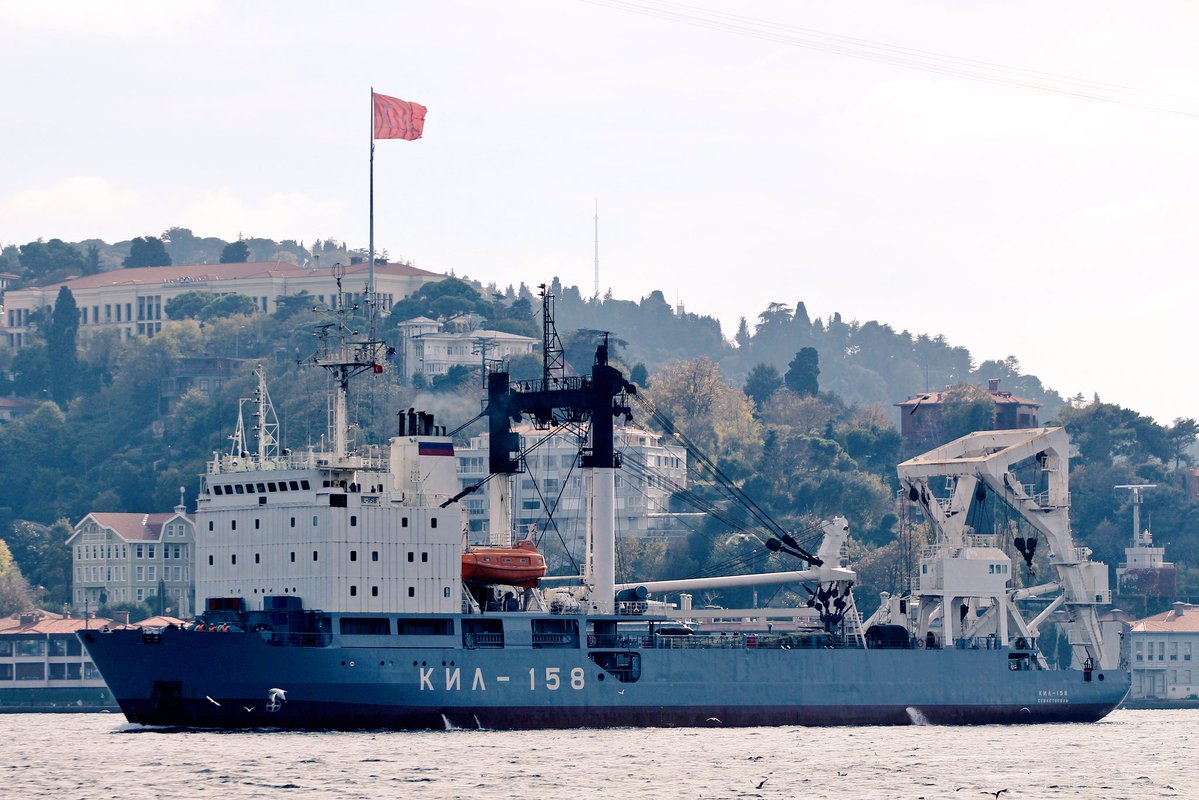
(919, 644)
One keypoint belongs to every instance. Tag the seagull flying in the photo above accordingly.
(214, 702)
(714, 719)
(277, 694)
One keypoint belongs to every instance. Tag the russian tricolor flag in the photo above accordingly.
(436, 448)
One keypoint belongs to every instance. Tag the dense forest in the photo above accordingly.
(796, 411)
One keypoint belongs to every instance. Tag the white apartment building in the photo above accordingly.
(432, 348)
(129, 557)
(133, 300)
(1165, 654)
(652, 472)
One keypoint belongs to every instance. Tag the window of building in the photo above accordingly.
(315, 554)
(375, 556)
(150, 551)
(233, 525)
(140, 573)
(353, 520)
(424, 557)
(257, 558)
(411, 557)
(293, 556)
(314, 520)
(374, 591)
(412, 591)
(353, 555)
(152, 572)
(30, 672)
(353, 591)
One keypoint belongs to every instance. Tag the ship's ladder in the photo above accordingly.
(853, 621)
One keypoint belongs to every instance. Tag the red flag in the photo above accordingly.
(398, 119)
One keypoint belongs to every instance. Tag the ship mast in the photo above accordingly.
(267, 422)
(596, 399)
(343, 357)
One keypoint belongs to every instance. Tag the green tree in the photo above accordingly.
(235, 253)
(442, 299)
(803, 373)
(43, 261)
(93, 259)
(61, 345)
(742, 337)
(716, 416)
(206, 306)
(189, 305)
(288, 306)
(639, 375)
(964, 410)
(761, 384)
(137, 611)
(1180, 437)
(15, 592)
(42, 554)
(456, 378)
(147, 252)
(229, 305)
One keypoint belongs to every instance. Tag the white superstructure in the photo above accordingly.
(345, 531)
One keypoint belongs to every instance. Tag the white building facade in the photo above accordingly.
(133, 301)
(1165, 654)
(432, 348)
(652, 472)
(118, 558)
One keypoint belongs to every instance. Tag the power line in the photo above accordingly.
(911, 58)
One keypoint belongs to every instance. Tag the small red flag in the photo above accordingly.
(398, 119)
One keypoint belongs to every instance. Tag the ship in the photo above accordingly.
(335, 597)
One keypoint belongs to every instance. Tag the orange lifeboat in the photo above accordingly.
(519, 565)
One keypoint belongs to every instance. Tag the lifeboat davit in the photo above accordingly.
(519, 565)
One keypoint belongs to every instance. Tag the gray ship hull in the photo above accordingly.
(225, 680)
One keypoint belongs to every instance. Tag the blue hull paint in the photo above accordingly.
(187, 678)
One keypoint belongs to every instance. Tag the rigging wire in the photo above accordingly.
(911, 58)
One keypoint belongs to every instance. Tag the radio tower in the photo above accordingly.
(596, 295)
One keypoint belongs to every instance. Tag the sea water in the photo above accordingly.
(1131, 754)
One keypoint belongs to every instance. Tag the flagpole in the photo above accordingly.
(371, 286)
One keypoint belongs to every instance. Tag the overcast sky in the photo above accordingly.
(895, 173)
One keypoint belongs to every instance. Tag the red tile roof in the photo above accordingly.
(48, 622)
(1182, 618)
(203, 273)
(134, 527)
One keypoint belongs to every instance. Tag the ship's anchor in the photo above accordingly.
(275, 700)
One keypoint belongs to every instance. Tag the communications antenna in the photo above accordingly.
(597, 293)
(1137, 500)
